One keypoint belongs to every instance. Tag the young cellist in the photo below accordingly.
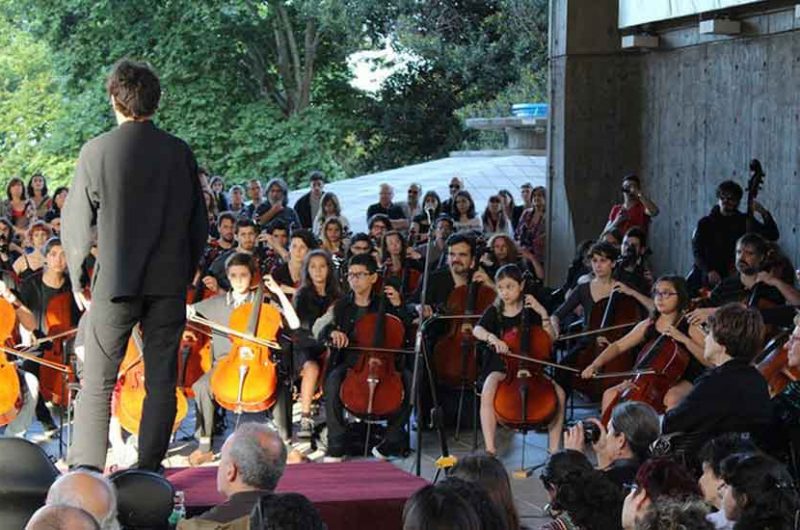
(505, 314)
(240, 269)
(337, 327)
(671, 299)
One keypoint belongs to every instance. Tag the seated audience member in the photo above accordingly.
(489, 473)
(580, 496)
(289, 511)
(758, 493)
(251, 464)
(490, 515)
(436, 508)
(61, 518)
(734, 338)
(657, 479)
(711, 456)
(89, 491)
(622, 448)
(668, 514)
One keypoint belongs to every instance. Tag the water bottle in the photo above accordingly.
(178, 509)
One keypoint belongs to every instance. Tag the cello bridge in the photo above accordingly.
(246, 354)
(523, 373)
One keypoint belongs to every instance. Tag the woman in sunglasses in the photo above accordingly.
(671, 301)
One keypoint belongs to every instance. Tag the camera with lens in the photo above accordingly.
(591, 432)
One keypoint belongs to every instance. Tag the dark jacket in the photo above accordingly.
(238, 505)
(140, 185)
(730, 398)
(303, 210)
(714, 239)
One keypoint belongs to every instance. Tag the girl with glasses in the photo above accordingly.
(671, 300)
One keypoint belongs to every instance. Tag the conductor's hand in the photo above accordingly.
(339, 339)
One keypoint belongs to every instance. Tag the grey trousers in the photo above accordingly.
(110, 324)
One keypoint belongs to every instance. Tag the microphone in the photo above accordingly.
(428, 213)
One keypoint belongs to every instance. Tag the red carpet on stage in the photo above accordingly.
(348, 495)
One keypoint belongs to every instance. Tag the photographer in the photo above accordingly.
(622, 448)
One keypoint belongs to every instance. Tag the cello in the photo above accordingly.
(775, 366)
(53, 385)
(127, 400)
(11, 395)
(454, 353)
(616, 311)
(660, 365)
(526, 398)
(246, 379)
(373, 388)
(194, 352)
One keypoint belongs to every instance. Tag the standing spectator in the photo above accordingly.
(412, 207)
(636, 208)
(236, 197)
(37, 194)
(217, 186)
(386, 207)
(431, 205)
(307, 207)
(526, 191)
(714, 239)
(448, 206)
(17, 207)
(465, 217)
(255, 193)
(509, 207)
(531, 231)
(494, 218)
(330, 207)
(276, 208)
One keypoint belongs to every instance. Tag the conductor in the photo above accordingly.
(140, 186)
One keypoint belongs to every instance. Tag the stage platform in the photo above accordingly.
(349, 495)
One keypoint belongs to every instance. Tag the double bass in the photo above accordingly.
(616, 311)
(660, 365)
(127, 401)
(246, 379)
(526, 398)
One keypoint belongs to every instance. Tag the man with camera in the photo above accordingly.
(636, 209)
(621, 448)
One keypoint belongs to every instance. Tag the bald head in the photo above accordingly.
(62, 518)
(252, 458)
(89, 491)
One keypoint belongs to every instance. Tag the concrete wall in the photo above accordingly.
(686, 117)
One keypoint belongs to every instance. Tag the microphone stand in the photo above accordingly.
(421, 356)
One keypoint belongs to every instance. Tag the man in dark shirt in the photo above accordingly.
(252, 462)
(448, 206)
(386, 207)
(714, 239)
(140, 186)
(308, 205)
(217, 280)
(256, 194)
(732, 396)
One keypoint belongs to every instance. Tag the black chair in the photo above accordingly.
(26, 473)
(144, 499)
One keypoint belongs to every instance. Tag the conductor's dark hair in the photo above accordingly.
(135, 88)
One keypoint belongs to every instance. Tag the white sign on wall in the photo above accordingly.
(636, 12)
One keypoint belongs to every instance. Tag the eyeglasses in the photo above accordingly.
(663, 294)
(358, 275)
(455, 187)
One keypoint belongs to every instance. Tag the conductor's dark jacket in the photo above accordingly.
(139, 184)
